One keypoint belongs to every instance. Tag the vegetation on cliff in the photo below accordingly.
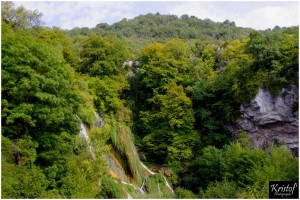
(173, 104)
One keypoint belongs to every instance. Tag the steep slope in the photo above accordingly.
(124, 165)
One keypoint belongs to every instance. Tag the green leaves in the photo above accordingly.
(36, 86)
(162, 64)
(39, 109)
(209, 165)
(182, 95)
(182, 193)
(20, 17)
(21, 112)
(276, 53)
(170, 124)
(22, 182)
(248, 169)
(220, 190)
(156, 27)
(174, 105)
(103, 56)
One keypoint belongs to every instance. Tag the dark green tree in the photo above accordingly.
(103, 56)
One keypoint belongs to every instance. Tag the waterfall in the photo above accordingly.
(115, 168)
(123, 182)
(146, 168)
(83, 133)
(167, 184)
(112, 165)
(152, 173)
(128, 195)
(142, 188)
(158, 188)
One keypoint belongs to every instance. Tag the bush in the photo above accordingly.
(182, 193)
(221, 190)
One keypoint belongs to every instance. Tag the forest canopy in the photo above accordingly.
(189, 78)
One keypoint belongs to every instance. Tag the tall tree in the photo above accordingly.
(20, 17)
(103, 56)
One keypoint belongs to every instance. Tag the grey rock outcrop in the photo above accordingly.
(99, 121)
(130, 63)
(127, 63)
(268, 118)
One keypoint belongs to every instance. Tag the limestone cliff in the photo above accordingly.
(268, 118)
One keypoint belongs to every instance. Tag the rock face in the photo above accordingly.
(99, 122)
(130, 63)
(163, 170)
(269, 118)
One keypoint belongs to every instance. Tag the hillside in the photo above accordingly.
(144, 109)
(164, 27)
(146, 29)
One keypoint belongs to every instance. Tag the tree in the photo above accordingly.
(219, 190)
(182, 193)
(170, 125)
(279, 164)
(276, 58)
(20, 17)
(177, 49)
(209, 166)
(103, 56)
(37, 91)
(248, 169)
(57, 37)
(22, 181)
(240, 162)
(39, 110)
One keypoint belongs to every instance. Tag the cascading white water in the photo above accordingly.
(152, 173)
(99, 123)
(158, 188)
(167, 184)
(142, 188)
(115, 168)
(123, 182)
(83, 133)
(146, 168)
(128, 195)
(112, 165)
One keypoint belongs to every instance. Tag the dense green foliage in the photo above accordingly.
(190, 80)
(164, 27)
(19, 17)
(238, 171)
(146, 29)
(102, 56)
(42, 95)
(189, 93)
